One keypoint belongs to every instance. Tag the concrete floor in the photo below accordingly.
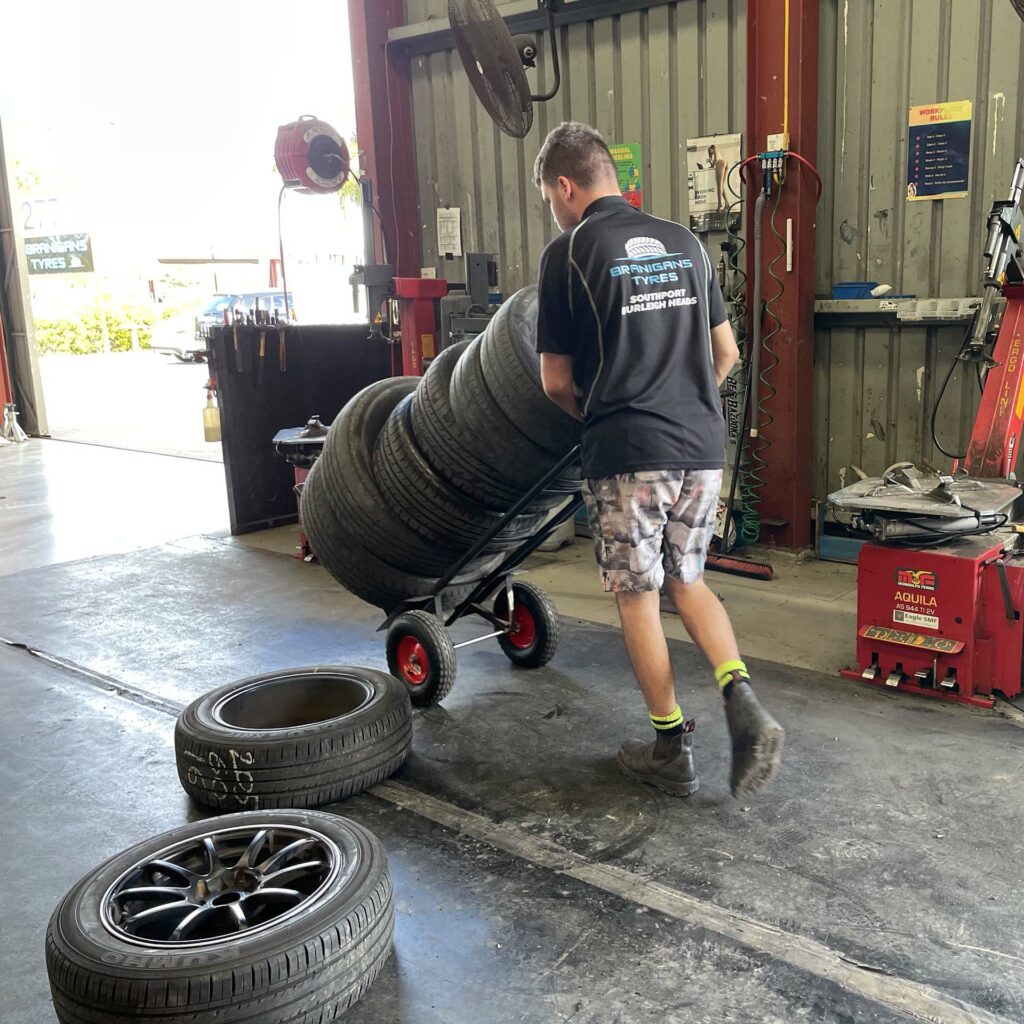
(805, 617)
(142, 401)
(62, 501)
(534, 883)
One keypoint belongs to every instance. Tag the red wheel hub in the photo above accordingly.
(522, 629)
(413, 661)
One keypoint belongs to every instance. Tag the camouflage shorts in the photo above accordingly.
(651, 525)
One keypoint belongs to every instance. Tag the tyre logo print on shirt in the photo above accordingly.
(636, 248)
(647, 264)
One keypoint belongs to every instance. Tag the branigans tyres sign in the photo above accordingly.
(59, 254)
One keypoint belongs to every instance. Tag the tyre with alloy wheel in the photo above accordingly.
(300, 737)
(533, 633)
(269, 916)
(421, 653)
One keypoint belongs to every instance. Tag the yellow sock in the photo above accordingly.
(668, 723)
(728, 671)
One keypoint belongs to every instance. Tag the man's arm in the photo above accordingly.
(724, 349)
(556, 378)
(556, 336)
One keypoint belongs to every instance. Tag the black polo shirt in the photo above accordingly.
(633, 300)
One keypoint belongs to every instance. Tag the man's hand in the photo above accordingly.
(724, 349)
(556, 378)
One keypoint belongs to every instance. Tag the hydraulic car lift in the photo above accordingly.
(940, 586)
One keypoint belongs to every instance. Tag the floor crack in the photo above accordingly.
(97, 679)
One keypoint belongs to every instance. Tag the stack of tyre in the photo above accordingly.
(416, 470)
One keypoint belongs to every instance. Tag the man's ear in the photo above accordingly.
(567, 187)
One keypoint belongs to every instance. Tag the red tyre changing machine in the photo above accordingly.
(940, 586)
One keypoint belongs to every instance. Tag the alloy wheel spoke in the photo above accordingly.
(158, 913)
(254, 849)
(152, 892)
(239, 915)
(188, 924)
(275, 878)
(272, 863)
(276, 895)
(212, 856)
(169, 868)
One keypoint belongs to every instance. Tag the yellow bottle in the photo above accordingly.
(211, 419)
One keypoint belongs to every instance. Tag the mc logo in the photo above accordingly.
(918, 579)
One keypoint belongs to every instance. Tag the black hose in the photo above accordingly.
(942, 393)
(555, 63)
(935, 538)
(741, 437)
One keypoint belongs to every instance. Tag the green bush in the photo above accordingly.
(84, 335)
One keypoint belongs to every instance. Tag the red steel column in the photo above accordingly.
(385, 136)
(6, 386)
(787, 490)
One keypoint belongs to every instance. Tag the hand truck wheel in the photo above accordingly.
(421, 654)
(532, 637)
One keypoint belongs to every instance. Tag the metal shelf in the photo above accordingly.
(894, 312)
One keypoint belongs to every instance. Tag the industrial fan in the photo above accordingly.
(1018, 6)
(495, 61)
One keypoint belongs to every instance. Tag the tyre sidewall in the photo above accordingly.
(223, 766)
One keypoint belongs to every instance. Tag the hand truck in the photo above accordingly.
(523, 619)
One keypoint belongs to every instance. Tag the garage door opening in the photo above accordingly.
(145, 205)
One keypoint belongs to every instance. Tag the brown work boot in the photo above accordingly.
(757, 739)
(667, 765)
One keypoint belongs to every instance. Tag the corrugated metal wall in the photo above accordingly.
(656, 76)
(679, 70)
(876, 388)
(417, 11)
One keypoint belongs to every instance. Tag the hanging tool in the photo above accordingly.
(238, 348)
(261, 317)
(282, 350)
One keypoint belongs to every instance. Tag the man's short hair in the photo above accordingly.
(575, 151)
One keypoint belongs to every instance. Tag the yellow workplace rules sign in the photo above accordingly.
(939, 151)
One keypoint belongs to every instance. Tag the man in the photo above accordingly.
(635, 342)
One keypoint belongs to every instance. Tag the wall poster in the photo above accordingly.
(629, 161)
(708, 162)
(938, 158)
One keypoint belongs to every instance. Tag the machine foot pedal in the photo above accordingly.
(871, 672)
(894, 678)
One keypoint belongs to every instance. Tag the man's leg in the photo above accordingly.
(627, 516)
(667, 763)
(705, 619)
(757, 738)
(640, 615)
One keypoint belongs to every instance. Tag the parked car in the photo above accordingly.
(185, 337)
